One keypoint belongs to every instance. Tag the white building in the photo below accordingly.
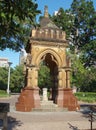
(55, 13)
(22, 57)
(3, 62)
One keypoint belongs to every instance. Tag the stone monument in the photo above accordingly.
(47, 44)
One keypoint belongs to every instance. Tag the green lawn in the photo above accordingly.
(3, 94)
(86, 97)
(82, 96)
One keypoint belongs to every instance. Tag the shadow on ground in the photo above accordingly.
(89, 112)
(73, 127)
(12, 123)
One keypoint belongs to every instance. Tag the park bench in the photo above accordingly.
(4, 109)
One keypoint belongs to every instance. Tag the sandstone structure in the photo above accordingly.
(47, 43)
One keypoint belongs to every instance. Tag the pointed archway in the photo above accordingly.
(50, 61)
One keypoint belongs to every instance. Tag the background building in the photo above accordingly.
(22, 57)
(3, 62)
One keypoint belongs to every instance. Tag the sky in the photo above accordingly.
(53, 5)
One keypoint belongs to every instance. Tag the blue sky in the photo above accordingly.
(53, 5)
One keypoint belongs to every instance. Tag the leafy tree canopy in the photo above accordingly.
(79, 22)
(85, 25)
(16, 19)
(63, 20)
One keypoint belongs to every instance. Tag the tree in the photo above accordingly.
(83, 78)
(17, 79)
(78, 71)
(44, 80)
(3, 78)
(16, 19)
(85, 28)
(89, 82)
(64, 20)
(79, 22)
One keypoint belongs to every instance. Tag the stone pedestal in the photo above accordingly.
(70, 101)
(29, 98)
(60, 97)
(67, 99)
(45, 97)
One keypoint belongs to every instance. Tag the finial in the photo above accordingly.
(46, 11)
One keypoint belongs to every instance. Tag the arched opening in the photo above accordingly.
(49, 63)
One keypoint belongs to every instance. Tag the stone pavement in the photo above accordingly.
(46, 120)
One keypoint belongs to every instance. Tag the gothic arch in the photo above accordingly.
(52, 52)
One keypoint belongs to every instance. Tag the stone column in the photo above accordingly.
(63, 35)
(67, 78)
(36, 76)
(29, 78)
(60, 78)
(57, 34)
(52, 33)
(46, 33)
(60, 96)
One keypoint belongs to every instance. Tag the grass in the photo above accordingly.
(82, 96)
(3, 94)
(86, 97)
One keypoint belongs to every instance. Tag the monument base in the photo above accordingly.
(67, 99)
(28, 99)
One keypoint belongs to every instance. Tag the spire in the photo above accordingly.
(46, 11)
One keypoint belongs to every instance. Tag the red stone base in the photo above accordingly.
(67, 99)
(29, 98)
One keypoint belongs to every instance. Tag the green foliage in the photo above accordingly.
(16, 19)
(89, 54)
(16, 79)
(3, 93)
(64, 20)
(78, 71)
(83, 78)
(85, 23)
(3, 78)
(44, 77)
(79, 22)
(86, 97)
(89, 82)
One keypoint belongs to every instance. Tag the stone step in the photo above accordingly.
(49, 109)
(49, 102)
(49, 106)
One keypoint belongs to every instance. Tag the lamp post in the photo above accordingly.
(8, 90)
